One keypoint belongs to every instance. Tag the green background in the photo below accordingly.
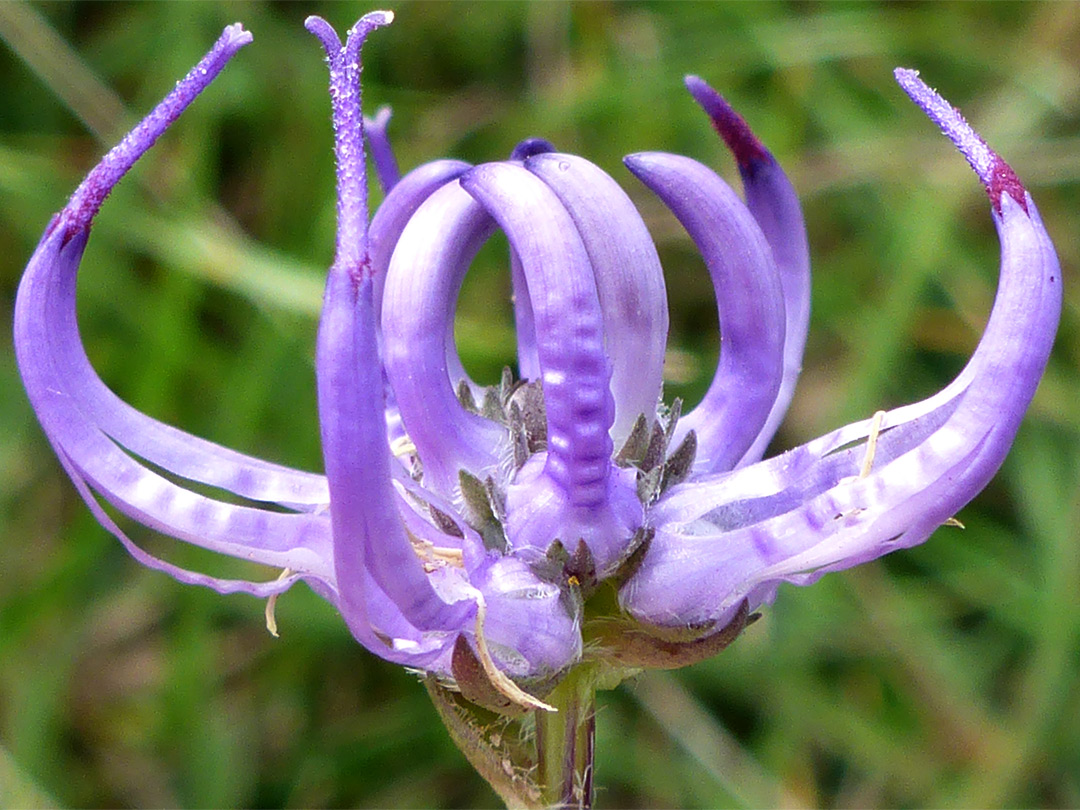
(946, 676)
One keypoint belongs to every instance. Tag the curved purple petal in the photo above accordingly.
(167, 447)
(775, 206)
(77, 410)
(748, 296)
(170, 448)
(569, 325)
(788, 480)
(397, 209)
(701, 565)
(382, 154)
(367, 529)
(386, 226)
(569, 492)
(629, 281)
(283, 540)
(421, 289)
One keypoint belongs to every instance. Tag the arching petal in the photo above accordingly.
(748, 296)
(775, 206)
(167, 447)
(569, 324)
(77, 411)
(284, 540)
(629, 281)
(524, 324)
(421, 290)
(568, 493)
(382, 154)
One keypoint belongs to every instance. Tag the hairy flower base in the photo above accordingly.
(551, 533)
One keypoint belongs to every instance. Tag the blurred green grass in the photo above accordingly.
(944, 676)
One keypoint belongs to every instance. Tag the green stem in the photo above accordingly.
(566, 742)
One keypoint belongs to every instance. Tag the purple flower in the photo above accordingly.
(464, 531)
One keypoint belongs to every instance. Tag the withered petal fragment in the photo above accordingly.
(581, 568)
(529, 398)
(655, 449)
(648, 485)
(474, 683)
(633, 646)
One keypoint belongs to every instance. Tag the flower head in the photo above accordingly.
(464, 530)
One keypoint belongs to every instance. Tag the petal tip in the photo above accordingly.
(381, 118)
(748, 151)
(996, 175)
(694, 83)
(637, 162)
(235, 35)
(314, 22)
(530, 147)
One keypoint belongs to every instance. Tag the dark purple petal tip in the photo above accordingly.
(532, 146)
(749, 152)
(996, 175)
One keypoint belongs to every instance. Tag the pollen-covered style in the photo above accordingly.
(463, 531)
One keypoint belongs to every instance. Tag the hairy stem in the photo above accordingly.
(566, 741)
